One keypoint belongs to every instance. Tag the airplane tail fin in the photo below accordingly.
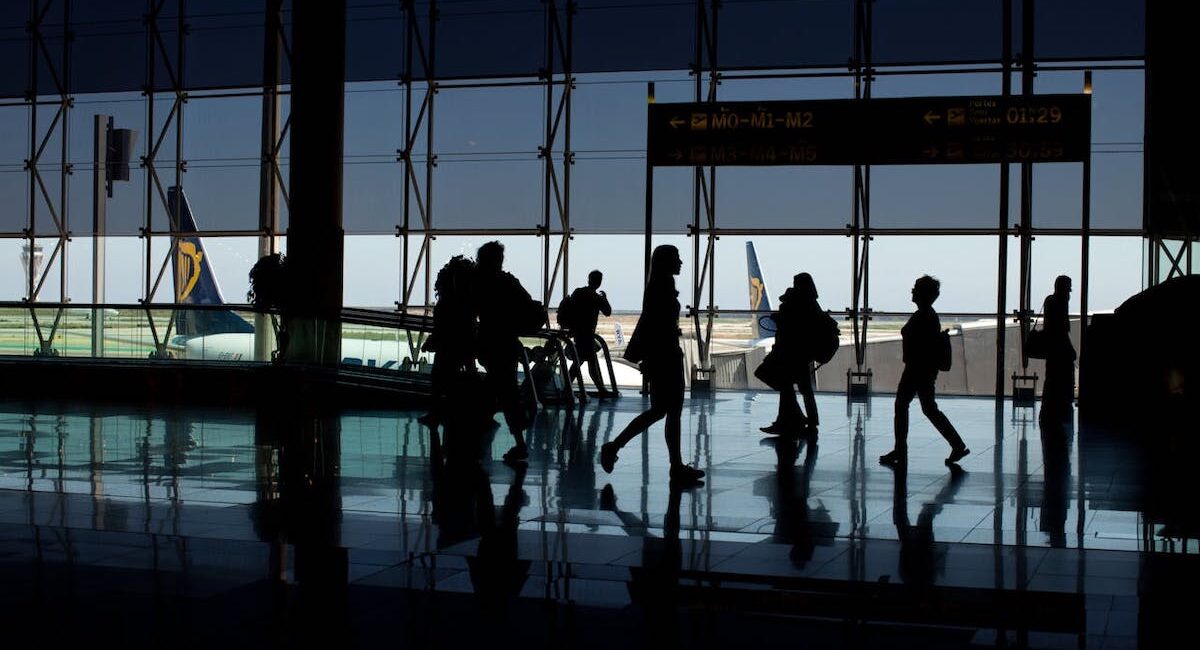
(760, 301)
(195, 283)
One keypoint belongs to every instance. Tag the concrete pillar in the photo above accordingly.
(315, 238)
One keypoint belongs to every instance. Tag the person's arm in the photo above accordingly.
(605, 308)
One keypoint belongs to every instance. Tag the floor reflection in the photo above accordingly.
(317, 502)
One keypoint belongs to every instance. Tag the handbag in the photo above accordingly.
(635, 350)
(773, 371)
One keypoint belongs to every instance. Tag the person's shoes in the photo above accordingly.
(608, 456)
(893, 458)
(810, 432)
(784, 427)
(606, 394)
(517, 455)
(774, 428)
(686, 476)
(957, 455)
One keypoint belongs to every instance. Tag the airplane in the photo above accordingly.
(223, 335)
(763, 326)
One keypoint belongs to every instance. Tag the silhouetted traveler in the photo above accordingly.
(1058, 392)
(922, 346)
(270, 289)
(797, 322)
(586, 305)
(453, 339)
(655, 345)
(498, 297)
(919, 561)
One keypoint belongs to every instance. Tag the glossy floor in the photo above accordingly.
(1044, 534)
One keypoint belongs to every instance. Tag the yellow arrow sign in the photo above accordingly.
(931, 117)
(676, 122)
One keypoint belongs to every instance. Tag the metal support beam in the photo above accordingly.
(1002, 226)
(158, 58)
(704, 202)
(859, 228)
(1025, 227)
(418, 187)
(37, 267)
(556, 182)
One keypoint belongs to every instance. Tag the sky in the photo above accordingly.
(488, 174)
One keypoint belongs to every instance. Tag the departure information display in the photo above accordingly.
(908, 131)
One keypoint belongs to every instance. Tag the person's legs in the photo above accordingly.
(672, 432)
(925, 392)
(789, 415)
(1059, 390)
(636, 426)
(502, 377)
(905, 392)
(585, 351)
(572, 351)
(594, 372)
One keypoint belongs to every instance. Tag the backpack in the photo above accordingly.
(945, 355)
(565, 315)
(826, 340)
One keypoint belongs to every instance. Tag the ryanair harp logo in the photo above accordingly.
(756, 293)
(187, 268)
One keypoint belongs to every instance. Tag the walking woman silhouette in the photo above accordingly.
(655, 345)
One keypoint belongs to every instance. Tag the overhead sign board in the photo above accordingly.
(908, 131)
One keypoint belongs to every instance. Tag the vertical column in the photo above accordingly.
(704, 199)
(1002, 226)
(858, 381)
(103, 127)
(420, 48)
(268, 195)
(315, 237)
(556, 184)
(1025, 229)
(1085, 229)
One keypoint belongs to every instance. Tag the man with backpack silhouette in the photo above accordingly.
(578, 314)
(926, 351)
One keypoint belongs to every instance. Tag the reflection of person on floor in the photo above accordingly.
(496, 571)
(797, 321)
(497, 295)
(920, 559)
(1056, 460)
(577, 483)
(1058, 392)
(655, 345)
(921, 351)
(655, 584)
(787, 490)
(587, 303)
